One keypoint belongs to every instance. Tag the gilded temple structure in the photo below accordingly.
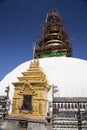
(30, 93)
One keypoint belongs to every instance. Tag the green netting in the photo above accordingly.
(50, 54)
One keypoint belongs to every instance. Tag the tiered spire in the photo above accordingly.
(54, 40)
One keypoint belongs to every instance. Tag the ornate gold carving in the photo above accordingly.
(27, 89)
(34, 64)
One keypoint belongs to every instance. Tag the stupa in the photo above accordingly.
(31, 85)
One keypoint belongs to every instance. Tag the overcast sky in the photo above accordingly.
(20, 22)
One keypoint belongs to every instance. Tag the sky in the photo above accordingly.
(20, 23)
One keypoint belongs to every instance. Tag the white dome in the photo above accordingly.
(69, 74)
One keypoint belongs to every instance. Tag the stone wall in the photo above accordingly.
(16, 124)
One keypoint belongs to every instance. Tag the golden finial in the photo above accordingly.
(34, 64)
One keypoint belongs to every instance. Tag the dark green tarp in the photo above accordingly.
(50, 54)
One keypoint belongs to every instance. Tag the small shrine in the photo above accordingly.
(30, 93)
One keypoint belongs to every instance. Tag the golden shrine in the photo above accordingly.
(30, 93)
